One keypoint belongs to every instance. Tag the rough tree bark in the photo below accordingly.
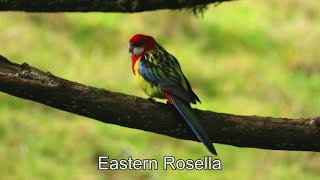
(130, 111)
(100, 5)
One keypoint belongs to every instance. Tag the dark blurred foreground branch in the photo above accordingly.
(130, 111)
(101, 5)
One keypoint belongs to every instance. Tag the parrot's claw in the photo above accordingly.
(151, 99)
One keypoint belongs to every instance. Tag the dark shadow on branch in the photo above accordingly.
(130, 111)
(102, 5)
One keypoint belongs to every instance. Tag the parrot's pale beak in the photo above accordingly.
(130, 48)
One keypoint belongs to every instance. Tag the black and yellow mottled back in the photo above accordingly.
(163, 70)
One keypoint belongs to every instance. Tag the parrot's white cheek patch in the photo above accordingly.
(138, 50)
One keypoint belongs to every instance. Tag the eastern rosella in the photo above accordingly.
(159, 75)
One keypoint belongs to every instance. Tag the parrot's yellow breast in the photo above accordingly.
(148, 88)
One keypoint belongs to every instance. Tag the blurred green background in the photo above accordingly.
(250, 57)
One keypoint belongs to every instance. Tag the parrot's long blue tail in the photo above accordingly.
(186, 111)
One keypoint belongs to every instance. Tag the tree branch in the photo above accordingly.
(100, 5)
(130, 111)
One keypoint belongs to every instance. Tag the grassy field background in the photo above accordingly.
(245, 57)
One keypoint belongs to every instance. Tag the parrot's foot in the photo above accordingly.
(151, 99)
(171, 107)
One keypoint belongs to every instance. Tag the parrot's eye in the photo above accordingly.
(138, 44)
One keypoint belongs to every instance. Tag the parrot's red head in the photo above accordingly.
(138, 45)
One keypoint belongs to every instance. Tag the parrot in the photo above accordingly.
(159, 75)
